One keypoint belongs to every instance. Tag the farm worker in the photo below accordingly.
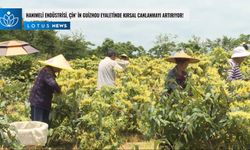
(176, 78)
(239, 54)
(45, 85)
(106, 70)
(123, 61)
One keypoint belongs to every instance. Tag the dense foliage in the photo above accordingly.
(216, 116)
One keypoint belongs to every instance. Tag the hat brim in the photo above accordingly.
(245, 54)
(56, 66)
(190, 60)
(124, 56)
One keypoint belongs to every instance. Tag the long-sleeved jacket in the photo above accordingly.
(173, 81)
(42, 92)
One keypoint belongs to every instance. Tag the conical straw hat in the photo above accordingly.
(124, 55)
(182, 55)
(58, 62)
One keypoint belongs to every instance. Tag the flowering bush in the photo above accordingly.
(215, 116)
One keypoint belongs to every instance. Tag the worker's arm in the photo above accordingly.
(50, 80)
(230, 75)
(123, 64)
(117, 66)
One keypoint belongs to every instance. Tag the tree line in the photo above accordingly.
(50, 43)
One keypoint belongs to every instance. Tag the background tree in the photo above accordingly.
(127, 48)
(228, 43)
(165, 44)
(17, 35)
(225, 42)
(195, 44)
(47, 42)
(74, 46)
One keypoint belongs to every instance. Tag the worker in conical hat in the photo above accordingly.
(45, 86)
(176, 78)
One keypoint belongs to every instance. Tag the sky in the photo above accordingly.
(207, 19)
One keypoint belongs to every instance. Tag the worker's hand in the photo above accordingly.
(59, 91)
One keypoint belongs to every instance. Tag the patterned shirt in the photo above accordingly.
(42, 92)
(173, 80)
(234, 73)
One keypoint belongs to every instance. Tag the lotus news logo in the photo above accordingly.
(10, 18)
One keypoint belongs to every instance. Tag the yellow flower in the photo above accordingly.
(241, 114)
(2, 83)
(86, 102)
(128, 103)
